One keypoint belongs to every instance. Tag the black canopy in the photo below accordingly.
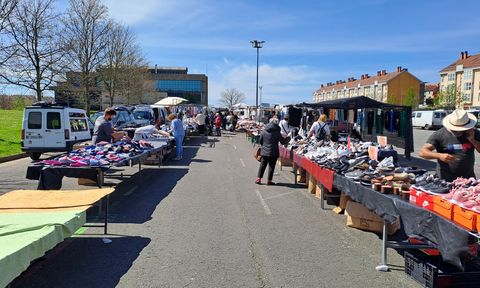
(359, 102)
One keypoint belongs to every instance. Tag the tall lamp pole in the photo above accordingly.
(257, 44)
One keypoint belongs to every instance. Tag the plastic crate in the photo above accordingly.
(432, 272)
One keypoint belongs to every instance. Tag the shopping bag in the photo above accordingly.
(256, 152)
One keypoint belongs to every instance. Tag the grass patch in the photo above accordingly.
(10, 130)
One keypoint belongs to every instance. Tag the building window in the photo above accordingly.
(467, 74)
(451, 76)
(467, 86)
(467, 97)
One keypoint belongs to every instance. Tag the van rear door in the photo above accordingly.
(33, 125)
(54, 134)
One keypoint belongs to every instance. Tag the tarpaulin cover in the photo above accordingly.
(33, 222)
(417, 222)
(359, 102)
(27, 236)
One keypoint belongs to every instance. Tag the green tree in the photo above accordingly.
(411, 99)
(449, 98)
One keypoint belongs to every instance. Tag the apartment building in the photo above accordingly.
(389, 87)
(463, 75)
(431, 91)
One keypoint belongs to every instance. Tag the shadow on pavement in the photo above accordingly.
(85, 262)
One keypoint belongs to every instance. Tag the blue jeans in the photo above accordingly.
(179, 145)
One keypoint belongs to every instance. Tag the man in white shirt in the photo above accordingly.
(285, 129)
(200, 120)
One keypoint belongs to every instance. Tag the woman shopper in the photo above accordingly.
(218, 125)
(320, 129)
(176, 128)
(269, 139)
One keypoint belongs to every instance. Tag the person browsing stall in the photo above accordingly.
(176, 128)
(454, 145)
(103, 130)
(200, 120)
(285, 128)
(269, 139)
(320, 128)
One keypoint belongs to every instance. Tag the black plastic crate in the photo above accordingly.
(432, 272)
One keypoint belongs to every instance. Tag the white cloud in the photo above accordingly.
(281, 84)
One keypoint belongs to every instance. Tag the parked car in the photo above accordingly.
(123, 119)
(143, 115)
(428, 119)
(49, 128)
(477, 114)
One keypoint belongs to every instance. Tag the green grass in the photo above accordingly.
(10, 129)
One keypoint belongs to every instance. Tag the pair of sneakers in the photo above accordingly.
(259, 181)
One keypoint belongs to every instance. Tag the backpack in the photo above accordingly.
(321, 134)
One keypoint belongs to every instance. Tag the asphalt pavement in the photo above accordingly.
(202, 222)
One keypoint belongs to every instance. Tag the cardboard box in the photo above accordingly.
(312, 183)
(361, 218)
(86, 182)
(344, 199)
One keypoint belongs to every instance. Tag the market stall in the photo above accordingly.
(432, 210)
(33, 222)
(373, 117)
(91, 162)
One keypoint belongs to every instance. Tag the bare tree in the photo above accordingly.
(121, 41)
(230, 97)
(6, 8)
(134, 76)
(86, 37)
(34, 55)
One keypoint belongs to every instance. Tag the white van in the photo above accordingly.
(48, 128)
(428, 119)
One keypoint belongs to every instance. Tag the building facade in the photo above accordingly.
(157, 83)
(463, 76)
(176, 82)
(430, 91)
(399, 87)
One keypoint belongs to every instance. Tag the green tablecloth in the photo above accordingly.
(27, 236)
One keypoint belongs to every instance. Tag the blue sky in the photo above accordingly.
(307, 42)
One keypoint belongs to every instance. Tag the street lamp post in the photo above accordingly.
(257, 44)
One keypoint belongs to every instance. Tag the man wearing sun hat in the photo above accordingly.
(455, 146)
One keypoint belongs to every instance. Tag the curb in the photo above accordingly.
(12, 157)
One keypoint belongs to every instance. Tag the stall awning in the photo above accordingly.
(359, 102)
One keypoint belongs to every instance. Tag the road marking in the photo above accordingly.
(265, 206)
(279, 195)
(243, 163)
(234, 147)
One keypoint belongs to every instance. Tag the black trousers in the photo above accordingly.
(270, 161)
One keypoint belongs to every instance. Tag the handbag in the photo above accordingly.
(256, 152)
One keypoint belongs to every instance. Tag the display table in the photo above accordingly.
(50, 177)
(34, 222)
(450, 239)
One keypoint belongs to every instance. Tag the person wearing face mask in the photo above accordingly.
(103, 130)
(454, 146)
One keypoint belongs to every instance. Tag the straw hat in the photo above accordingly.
(459, 120)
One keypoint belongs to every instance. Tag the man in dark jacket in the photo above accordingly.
(269, 139)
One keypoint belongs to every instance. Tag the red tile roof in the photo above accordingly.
(432, 87)
(369, 81)
(470, 62)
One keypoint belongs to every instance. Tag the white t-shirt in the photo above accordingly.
(317, 126)
(144, 132)
(284, 128)
(200, 119)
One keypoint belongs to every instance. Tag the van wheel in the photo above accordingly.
(427, 127)
(35, 155)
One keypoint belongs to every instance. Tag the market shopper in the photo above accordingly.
(285, 128)
(269, 139)
(176, 129)
(218, 124)
(103, 130)
(200, 120)
(454, 146)
(320, 128)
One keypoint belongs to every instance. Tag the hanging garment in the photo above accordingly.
(350, 116)
(294, 116)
